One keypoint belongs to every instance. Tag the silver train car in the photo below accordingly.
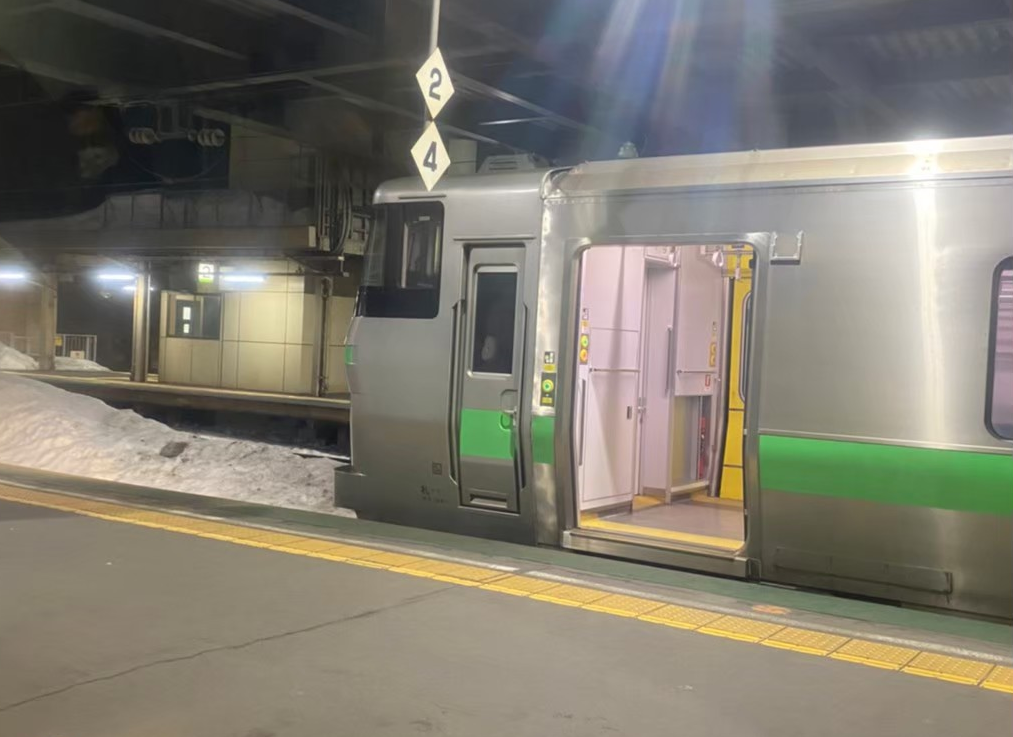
(792, 366)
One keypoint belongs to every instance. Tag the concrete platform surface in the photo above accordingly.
(110, 629)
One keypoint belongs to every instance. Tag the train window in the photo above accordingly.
(495, 310)
(401, 276)
(195, 316)
(999, 402)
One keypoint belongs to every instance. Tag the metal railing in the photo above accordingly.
(71, 345)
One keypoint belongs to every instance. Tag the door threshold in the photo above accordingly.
(661, 552)
(635, 532)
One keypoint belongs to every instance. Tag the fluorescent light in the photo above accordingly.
(242, 278)
(13, 275)
(115, 277)
(130, 288)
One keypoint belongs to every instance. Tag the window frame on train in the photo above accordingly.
(487, 312)
(391, 287)
(1005, 266)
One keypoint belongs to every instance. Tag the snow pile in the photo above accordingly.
(68, 363)
(14, 360)
(48, 428)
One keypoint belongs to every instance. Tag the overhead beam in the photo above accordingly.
(128, 23)
(516, 121)
(497, 33)
(337, 70)
(958, 27)
(283, 7)
(912, 16)
(368, 103)
(26, 9)
(480, 88)
(111, 92)
(996, 64)
(845, 76)
(104, 87)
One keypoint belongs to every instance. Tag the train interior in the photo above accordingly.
(660, 393)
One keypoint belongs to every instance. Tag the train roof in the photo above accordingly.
(530, 181)
(991, 155)
(913, 159)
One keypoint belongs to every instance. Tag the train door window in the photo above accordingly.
(495, 311)
(401, 277)
(999, 405)
(195, 316)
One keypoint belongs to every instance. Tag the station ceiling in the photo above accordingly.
(565, 79)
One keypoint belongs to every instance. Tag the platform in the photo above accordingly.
(116, 387)
(147, 612)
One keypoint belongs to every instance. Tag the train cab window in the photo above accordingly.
(401, 276)
(495, 310)
(999, 405)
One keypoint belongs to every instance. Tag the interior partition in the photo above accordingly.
(608, 375)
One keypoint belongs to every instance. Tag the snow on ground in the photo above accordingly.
(48, 428)
(67, 363)
(14, 360)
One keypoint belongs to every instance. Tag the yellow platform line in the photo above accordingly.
(593, 522)
(964, 671)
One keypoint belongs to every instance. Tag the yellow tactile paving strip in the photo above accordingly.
(811, 642)
(875, 654)
(1000, 679)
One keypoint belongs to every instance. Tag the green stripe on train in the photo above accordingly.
(483, 435)
(892, 474)
(542, 438)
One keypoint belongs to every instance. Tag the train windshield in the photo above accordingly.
(401, 277)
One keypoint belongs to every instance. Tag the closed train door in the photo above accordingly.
(494, 322)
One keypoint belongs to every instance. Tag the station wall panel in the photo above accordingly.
(269, 335)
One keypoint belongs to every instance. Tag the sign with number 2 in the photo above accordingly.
(434, 81)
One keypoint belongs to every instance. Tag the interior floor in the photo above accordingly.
(696, 520)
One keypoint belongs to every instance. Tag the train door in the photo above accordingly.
(685, 484)
(494, 320)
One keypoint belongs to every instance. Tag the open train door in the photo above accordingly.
(662, 362)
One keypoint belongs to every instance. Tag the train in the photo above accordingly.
(791, 366)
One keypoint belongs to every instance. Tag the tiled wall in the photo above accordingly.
(267, 338)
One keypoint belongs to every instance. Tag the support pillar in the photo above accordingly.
(142, 323)
(41, 322)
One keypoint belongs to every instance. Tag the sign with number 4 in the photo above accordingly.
(434, 81)
(431, 157)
